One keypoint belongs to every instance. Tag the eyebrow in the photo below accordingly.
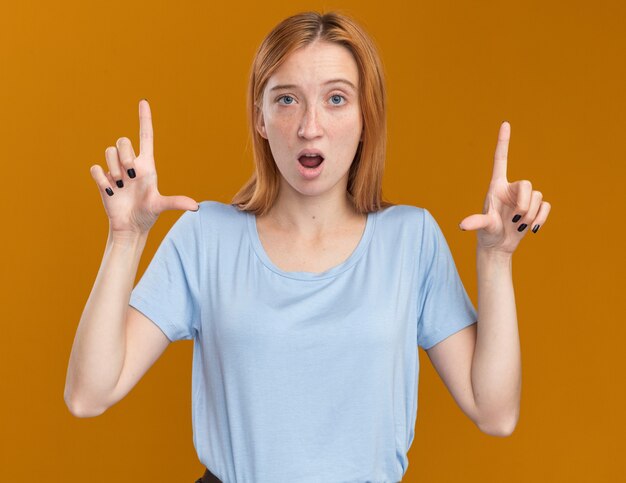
(332, 81)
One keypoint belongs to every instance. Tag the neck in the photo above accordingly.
(310, 217)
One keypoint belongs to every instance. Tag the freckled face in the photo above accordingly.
(312, 113)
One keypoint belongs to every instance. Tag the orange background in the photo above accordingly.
(72, 76)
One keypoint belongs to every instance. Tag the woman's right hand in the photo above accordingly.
(133, 208)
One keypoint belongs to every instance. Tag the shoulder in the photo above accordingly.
(212, 212)
(221, 220)
(402, 224)
(414, 223)
(217, 208)
(405, 214)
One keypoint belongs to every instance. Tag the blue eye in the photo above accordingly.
(282, 97)
(337, 95)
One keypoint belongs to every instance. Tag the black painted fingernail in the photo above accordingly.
(119, 183)
(109, 191)
(522, 226)
(131, 173)
(516, 218)
(535, 228)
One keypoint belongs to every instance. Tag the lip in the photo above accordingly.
(310, 151)
(310, 173)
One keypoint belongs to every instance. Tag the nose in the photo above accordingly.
(309, 125)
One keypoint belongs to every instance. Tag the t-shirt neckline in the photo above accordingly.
(360, 249)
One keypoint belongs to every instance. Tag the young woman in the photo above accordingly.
(307, 296)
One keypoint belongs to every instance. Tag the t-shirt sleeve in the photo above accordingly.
(443, 304)
(168, 291)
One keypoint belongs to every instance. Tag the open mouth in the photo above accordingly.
(310, 161)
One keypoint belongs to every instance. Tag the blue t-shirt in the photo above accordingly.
(304, 377)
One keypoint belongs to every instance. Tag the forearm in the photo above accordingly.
(99, 347)
(496, 365)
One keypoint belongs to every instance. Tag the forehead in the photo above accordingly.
(316, 63)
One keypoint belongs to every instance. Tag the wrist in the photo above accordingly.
(493, 255)
(127, 238)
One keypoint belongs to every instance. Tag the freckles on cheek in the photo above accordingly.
(283, 124)
(348, 118)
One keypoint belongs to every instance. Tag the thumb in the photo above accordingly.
(179, 203)
(474, 222)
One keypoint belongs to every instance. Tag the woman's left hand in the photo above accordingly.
(500, 229)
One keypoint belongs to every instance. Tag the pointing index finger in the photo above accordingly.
(145, 129)
(502, 149)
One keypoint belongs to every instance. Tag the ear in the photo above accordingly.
(259, 122)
